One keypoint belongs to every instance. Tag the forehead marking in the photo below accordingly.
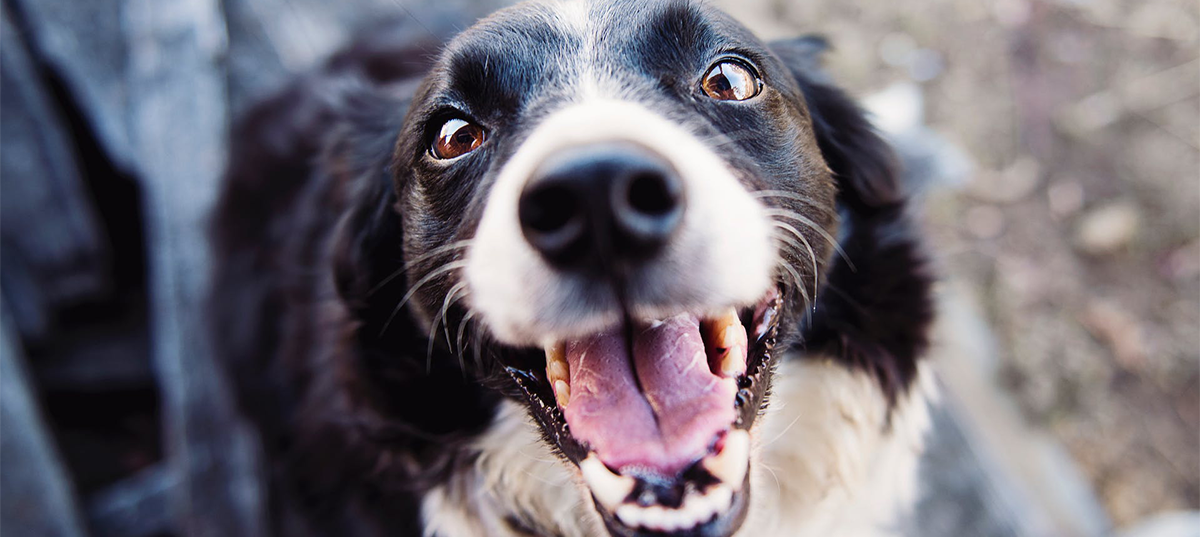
(578, 17)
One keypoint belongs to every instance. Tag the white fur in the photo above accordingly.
(825, 463)
(722, 256)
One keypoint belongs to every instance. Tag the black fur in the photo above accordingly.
(318, 219)
(876, 308)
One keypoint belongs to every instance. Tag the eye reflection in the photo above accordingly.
(730, 80)
(456, 138)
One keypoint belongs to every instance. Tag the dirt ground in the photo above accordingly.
(1078, 232)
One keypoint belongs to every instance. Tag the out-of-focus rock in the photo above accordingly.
(1119, 331)
(1014, 183)
(1065, 198)
(1183, 263)
(1178, 524)
(985, 221)
(1108, 228)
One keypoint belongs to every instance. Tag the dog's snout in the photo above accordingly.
(619, 201)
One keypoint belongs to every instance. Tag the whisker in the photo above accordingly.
(807, 246)
(441, 319)
(462, 329)
(453, 265)
(459, 287)
(478, 346)
(783, 432)
(425, 256)
(798, 280)
(778, 486)
(791, 215)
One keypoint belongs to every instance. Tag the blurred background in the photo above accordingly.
(1054, 146)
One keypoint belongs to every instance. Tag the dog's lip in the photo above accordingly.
(751, 389)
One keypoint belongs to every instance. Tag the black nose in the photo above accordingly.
(601, 203)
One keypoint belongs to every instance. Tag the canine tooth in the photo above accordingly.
(557, 370)
(728, 336)
(558, 373)
(733, 335)
(562, 393)
(731, 463)
(610, 489)
(555, 354)
(733, 362)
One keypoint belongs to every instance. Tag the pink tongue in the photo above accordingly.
(671, 424)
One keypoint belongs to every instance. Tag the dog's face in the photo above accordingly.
(626, 204)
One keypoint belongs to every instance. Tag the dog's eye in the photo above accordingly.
(456, 138)
(730, 80)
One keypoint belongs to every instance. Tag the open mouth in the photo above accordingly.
(660, 432)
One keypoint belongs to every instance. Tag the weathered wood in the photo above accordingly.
(36, 496)
(273, 40)
(49, 235)
(179, 129)
(82, 42)
(136, 507)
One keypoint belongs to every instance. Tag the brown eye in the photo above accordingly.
(457, 138)
(730, 80)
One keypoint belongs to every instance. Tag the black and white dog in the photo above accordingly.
(591, 267)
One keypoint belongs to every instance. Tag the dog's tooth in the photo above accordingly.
(726, 335)
(630, 515)
(562, 392)
(555, 352)
(694, 508)
(733, 334)
(610, 489)
(716, 326)
(733, 362)
(720, 497)
(557, 370)
(731, 463)
(655, 517)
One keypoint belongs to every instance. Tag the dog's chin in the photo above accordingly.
(656, 415)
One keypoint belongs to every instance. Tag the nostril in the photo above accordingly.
(652, 194)
(647, 206)
(548, 209)
(552, 220)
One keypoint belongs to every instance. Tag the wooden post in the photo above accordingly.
(179, 119)
(38, 499)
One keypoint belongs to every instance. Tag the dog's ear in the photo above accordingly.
(864, 165)
(367, 246)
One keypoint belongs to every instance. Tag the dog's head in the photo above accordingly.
(628, 209)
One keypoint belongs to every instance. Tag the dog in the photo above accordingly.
(586, 268)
